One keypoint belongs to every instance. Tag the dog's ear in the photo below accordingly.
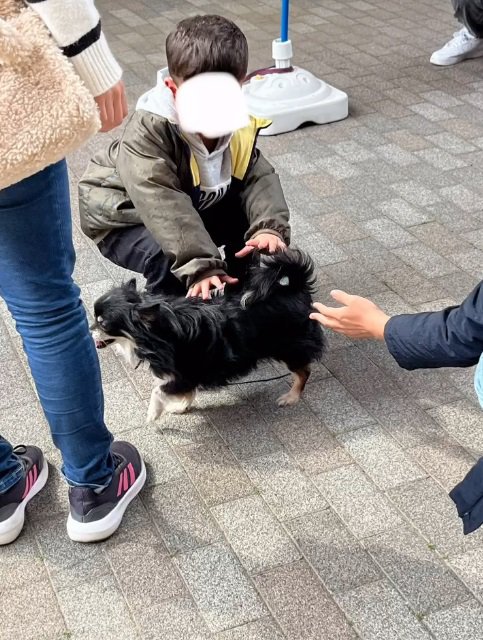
(130, 285)
(147, 311)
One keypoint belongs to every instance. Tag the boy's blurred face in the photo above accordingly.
(173, 83)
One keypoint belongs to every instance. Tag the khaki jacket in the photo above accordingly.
(151, 177)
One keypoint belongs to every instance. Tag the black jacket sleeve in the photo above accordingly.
(449, 338)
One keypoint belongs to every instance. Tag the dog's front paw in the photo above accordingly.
(153, 413)
(179, 404)
(288, 399)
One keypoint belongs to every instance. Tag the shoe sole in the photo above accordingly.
(456, 59)
(11, 528)
(105, 527)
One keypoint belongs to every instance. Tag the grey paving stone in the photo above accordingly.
(53, 499)
(348, 275)
(144, 571)
(245, 432)
(417, 571)
(396, 155)
(338, 167)
(333, 552)
(462, 197)
(187, 428)
(388, 233)
(124, 409)
(311, 445)
(301, 605)
(469, 567)
(283, 486)
(439, 238)
(338, 411)
(381, 457)
(372, 256)
(444, 460)
(177, 619)
(30, 611)
(265, 629)
(404, 213)
(215, 471)
(422, 258)
(440, 159)
(17, 424)
(356, 500)
(463, 421)
(15, 389)
(379, 613)
(69, 564)
(463, 622)
(415, 193)
(339, 228)
(323, 251)
(222, 592)
(161, 463)
(254, 534)
(180, 517)
(22, 563)
(450, 142)
(430, 509)
(102, 600)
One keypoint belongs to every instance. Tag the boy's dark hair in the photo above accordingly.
(207, 43)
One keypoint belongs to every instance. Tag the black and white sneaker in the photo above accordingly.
(14, 501)
(96, 516)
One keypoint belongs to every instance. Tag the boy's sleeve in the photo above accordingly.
(147, 169)
(263, 200)
(449, 338)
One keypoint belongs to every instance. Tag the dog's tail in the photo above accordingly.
(290, 271)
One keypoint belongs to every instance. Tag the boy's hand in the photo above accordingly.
(112, 106)
(263, 242)
(203, 287)
(358, 318)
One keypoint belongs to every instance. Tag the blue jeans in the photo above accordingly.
(36, 263)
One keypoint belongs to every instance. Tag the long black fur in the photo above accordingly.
(206, 344)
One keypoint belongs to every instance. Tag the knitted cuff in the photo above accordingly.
(97, 67)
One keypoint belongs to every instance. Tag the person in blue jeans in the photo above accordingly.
(36, 264)
(452, 337)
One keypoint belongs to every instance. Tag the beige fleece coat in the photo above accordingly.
(45, 109)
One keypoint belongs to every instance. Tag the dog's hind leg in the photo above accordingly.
(301, 375)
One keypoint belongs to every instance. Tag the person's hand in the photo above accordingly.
(358, 318)
(262, 242)
(204, 287)
(112, 106)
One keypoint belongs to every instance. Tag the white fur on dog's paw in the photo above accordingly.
(178, 404)
(156, 406)
(153, 413)
(288, 399)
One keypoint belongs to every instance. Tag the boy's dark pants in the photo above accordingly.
(135, 248)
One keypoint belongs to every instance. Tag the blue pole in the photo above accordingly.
(284, 22)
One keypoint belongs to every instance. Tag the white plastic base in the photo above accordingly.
(292, 99)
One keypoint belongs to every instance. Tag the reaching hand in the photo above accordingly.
(112, 106)
(204, 287)
(263, 242)
(358, 318)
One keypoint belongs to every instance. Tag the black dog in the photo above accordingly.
(190, 343)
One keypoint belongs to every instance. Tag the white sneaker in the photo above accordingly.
(463, 45)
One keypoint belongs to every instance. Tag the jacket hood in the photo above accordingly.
(160, 101)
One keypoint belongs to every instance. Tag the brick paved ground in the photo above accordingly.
(329, 521)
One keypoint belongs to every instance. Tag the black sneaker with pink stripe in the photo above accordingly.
(96, 516)
(14, 501)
